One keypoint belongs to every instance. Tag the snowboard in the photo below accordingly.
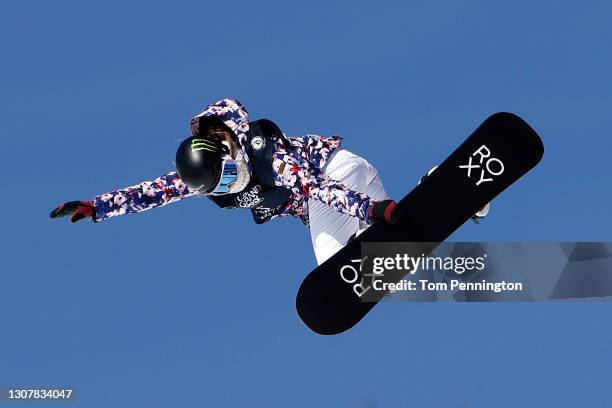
(501, 150)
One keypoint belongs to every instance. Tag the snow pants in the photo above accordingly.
(330, 230)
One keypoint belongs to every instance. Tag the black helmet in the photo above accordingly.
(199, 162)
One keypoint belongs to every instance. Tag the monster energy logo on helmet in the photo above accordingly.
(204, 144)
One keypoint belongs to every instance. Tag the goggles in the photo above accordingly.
(229, 175)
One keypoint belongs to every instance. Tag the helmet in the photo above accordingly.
(204, 164)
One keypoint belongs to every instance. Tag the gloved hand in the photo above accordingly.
(385, 210)
(78, 210)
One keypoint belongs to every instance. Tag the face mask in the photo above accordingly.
(244, 174)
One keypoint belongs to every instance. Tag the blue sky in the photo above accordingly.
(193, 306)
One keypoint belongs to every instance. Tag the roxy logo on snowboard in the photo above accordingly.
(482, 166)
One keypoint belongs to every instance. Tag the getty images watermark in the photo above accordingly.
(478, 271)
(456, 264)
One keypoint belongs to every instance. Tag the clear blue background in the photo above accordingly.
(194, 306)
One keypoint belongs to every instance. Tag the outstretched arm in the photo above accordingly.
(143, 196)
(140, 197)
(161, 191)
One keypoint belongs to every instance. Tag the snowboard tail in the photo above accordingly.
(499, 152)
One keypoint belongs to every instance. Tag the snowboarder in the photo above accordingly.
(242, 164)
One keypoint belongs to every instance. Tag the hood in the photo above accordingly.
(232, 113)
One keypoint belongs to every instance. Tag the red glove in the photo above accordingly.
(78, 210)
(385, 210)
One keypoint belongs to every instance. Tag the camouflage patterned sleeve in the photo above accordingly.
(339, 197)
(296, 174)
(144, 196)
